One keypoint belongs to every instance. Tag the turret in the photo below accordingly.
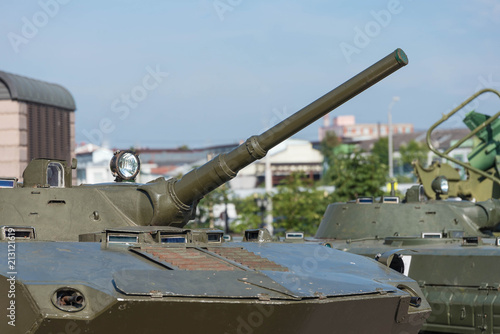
(369, 218)
(57, 211)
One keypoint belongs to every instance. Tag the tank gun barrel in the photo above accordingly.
(174, 202)
(221, 169)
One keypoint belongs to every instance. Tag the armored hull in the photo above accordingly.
(460, 280)
(247, 287)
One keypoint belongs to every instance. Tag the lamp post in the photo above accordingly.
(389, 121)
(226, 217)
(269, 188)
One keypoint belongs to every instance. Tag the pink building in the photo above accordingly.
(345, 127)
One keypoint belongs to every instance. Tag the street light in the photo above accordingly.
(269, 188)
(389, 119)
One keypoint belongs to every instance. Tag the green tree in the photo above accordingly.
(249, 214)
(413, 151)
(352, 172)
(356, 175)
(381, 150)
(330, 146)
(298, 205)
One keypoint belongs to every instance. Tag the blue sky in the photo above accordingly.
(225, 69)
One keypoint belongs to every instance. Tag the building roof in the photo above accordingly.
(16, 87)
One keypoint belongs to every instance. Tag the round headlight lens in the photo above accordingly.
(444, 186)
(128, 165)
(125, 165)
(440, 185)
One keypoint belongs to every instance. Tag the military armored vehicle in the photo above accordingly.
(118, 258)
(445, 243)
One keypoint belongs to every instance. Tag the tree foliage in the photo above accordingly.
(331, 146)
(413, 151)
(299, 205)
(249, 214)
(356, 175)
(352, 172)
(381, 150)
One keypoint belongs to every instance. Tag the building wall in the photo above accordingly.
(29, 130)
(49, 132)
(13, 138)
(292, 155)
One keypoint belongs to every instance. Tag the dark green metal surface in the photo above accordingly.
(126, 293)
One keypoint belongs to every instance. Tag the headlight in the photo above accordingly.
(125, 166)
(440, 185)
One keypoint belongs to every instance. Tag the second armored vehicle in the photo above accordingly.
(447, 246)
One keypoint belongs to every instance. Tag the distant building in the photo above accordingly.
(346, 128)
(172, 162)
(441, 139)
(292, 155)
(93, 164)
(37, 120)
